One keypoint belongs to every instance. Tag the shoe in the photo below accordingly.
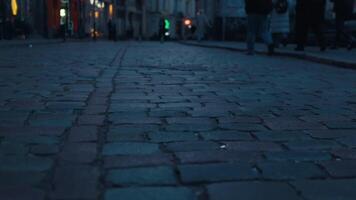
(270, 49)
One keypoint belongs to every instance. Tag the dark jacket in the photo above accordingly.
(261, 7)
(343, 8)
(312, 11)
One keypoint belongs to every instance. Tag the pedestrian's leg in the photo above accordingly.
(251, 33)
(339, 29)
(318, 30)
(265, 31)
(284, 39)
(266, 34)
(301, 29)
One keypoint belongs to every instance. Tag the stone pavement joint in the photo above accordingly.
(154, 121)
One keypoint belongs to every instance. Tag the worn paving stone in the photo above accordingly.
(216, 172)
(290, 171)
(75, 182)
(340, 124)
(79, 152)
(128, 129)
(280, 136)
(126, 137)
(21, 193)
(192, 146)
(190, 127)
(160, 175)
(292, 124)
(251, 191)
(21, 131)
(312, 145)
(243, 127)
(331, 134)
(254, 146)
(340, 169)
(327, 189)
(33, 139)
(130, 148)
(348, 141)
(154, 193)
(13, 148)
(172, 136)
(226, 135)
(298, 156)
(16, 178)
(23, 164)
(137, 160)
(91, 120)
(83, 134)
(52, 120)
(345, 153)
(211, 156)
(44, 149)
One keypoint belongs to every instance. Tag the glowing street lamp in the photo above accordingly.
(62, 12)
(187, 22)
(14, 7)
(111, 10)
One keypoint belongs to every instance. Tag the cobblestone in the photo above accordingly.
(216, 172)
(83, 120)
(290, 171)
(156, 193)
(251, 191)
(327, 189)
(142, 176)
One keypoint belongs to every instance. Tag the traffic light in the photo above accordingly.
(167, 27)
(167, 24)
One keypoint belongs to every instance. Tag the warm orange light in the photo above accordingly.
(14, 7)
(187, 22)
(96, 14)
(111, 10)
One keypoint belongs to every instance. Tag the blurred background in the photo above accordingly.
(127, 19)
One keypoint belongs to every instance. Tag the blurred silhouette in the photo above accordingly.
(257, 23)
(343, 10)
(202, 23)
(310, 15)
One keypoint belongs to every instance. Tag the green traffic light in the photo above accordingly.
(167, 24)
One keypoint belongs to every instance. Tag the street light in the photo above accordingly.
(62, 12)
(14, 7)
(93, 2)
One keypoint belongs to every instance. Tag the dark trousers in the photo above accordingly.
(303, 26)
(341, 32)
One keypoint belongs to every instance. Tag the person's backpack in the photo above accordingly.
(281, 6)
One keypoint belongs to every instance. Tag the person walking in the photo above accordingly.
(162, 29)
(110, 29)
(257, 24)
(310, 14)
(280, 21)
(343, 10)
(202, 23)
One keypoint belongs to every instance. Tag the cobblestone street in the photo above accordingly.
(150, 121)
